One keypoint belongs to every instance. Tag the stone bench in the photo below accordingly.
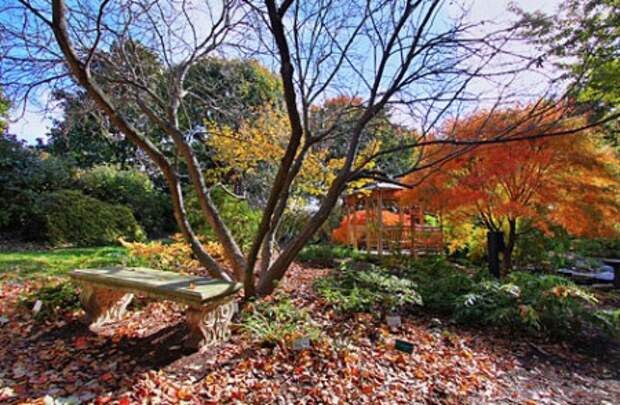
(105, 294)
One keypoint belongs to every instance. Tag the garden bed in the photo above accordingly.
(353, 360)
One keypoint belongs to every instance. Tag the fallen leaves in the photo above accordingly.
(139, 361)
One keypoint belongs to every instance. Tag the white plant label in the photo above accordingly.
(393, 321)
(301, 343)
(37, 307)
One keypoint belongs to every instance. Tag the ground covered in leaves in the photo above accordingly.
(142, 360)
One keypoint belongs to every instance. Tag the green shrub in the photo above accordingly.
(539, 304)
(55, 299)
(523, 302)
(132, 188)
(276, 320)
(25, 173)
(439, 283)
(550, 305)
(326, 254)
(71, 217)
(242, 220)
(353, 289)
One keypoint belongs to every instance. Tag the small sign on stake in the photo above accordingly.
(393, 321)
(403, 346)
(301, 343)
(37, 307)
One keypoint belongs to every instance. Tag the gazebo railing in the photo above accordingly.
(419, 239)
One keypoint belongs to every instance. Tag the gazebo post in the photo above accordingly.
(443, 240)
(402, 233)
(347, 213)
(367, 225)
(413, 251)
(354, 228)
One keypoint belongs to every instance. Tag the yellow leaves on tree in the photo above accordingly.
(568, 180)
(259, 144)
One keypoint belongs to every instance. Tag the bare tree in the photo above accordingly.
(404, 55)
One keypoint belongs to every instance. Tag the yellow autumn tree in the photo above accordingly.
(258, 144)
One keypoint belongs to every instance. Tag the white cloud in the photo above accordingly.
(497, 10)
(32, 125)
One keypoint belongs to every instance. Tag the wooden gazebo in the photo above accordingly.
(376, 221)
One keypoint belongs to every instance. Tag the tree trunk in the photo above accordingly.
(266, 253)
(82, 75)
(509, 245)
(275, 273)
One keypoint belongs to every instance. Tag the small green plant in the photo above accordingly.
(609, 321)
(275, 320)
(439, 283)
(55, 299)
(353, 289)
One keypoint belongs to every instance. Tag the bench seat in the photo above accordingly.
(105, 294)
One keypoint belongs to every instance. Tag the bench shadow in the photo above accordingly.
(99, 365)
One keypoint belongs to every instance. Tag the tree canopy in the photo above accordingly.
(567, 181)
(583, 40)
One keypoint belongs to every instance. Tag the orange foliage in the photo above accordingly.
(359, 218)
(571, 181)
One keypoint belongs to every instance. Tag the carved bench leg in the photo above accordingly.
(209, 325)
(102, 304)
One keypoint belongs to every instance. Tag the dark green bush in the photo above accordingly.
(55, 299)
(276, 320)
(134, 189)
(69, 216)
(326, 254)
(355, 289)
(25, 173)
(550, 305)
(439, 283)
(597, 247)
(538, 304)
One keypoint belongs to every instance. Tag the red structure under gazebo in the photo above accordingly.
(376, 221)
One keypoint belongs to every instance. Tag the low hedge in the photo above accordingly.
(68, 216)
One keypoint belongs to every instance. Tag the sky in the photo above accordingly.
(34, 124)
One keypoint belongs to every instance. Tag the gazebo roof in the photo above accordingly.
(377, 187)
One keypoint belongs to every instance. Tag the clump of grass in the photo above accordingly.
(275, 320)
(55, 299)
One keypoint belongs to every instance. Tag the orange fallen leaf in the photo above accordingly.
(80, 342)
(184, 394)
(106, 377)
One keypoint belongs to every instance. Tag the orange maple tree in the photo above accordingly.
(571, 181)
